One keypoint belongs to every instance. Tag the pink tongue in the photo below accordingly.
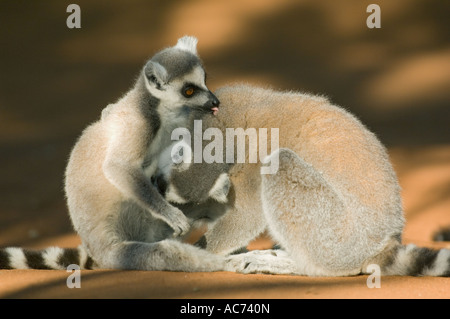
(215, 110)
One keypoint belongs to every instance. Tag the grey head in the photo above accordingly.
(177, 78)
(203, 191)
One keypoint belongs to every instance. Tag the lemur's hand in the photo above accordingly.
(177, 221)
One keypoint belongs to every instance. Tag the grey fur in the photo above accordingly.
(177, 62)
(334, 204)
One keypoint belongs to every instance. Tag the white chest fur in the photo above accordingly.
(162, 141)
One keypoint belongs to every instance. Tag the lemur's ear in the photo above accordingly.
(181, 155)
(187, 43)
(156, 74)
(220, 189)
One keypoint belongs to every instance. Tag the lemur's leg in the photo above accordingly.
(233, 232)
(243, 222)
(131, 239)
(168, 255)
(274, 261)
(307, 217)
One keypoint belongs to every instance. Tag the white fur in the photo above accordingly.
(187, 43)
(51, 256)
(216, 191)
(17, 258)
(173, 196)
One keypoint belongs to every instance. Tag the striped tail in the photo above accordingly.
(442, 235)
(411, 260)
(49, 258)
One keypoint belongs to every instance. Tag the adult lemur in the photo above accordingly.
(334, 204)
(122, 219)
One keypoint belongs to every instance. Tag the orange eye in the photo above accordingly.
(189, 91)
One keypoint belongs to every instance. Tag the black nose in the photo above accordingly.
(214, 100)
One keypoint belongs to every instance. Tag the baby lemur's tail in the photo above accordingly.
(49, 258)
(411, 260)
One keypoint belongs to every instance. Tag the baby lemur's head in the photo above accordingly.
(202, 191)
(177, 78)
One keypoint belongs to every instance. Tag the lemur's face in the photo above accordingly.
(176, 77)
(190, 90)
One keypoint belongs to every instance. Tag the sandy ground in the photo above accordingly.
(424, 218)
(54, 81)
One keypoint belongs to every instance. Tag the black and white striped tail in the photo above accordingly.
(442, 235)
(411, 260)
(49, 258)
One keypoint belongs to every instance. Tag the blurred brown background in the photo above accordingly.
(54, 81)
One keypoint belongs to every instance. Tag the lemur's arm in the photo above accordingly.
(123, 168)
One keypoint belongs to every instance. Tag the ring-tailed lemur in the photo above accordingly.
(334, 204)
(121, 217)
